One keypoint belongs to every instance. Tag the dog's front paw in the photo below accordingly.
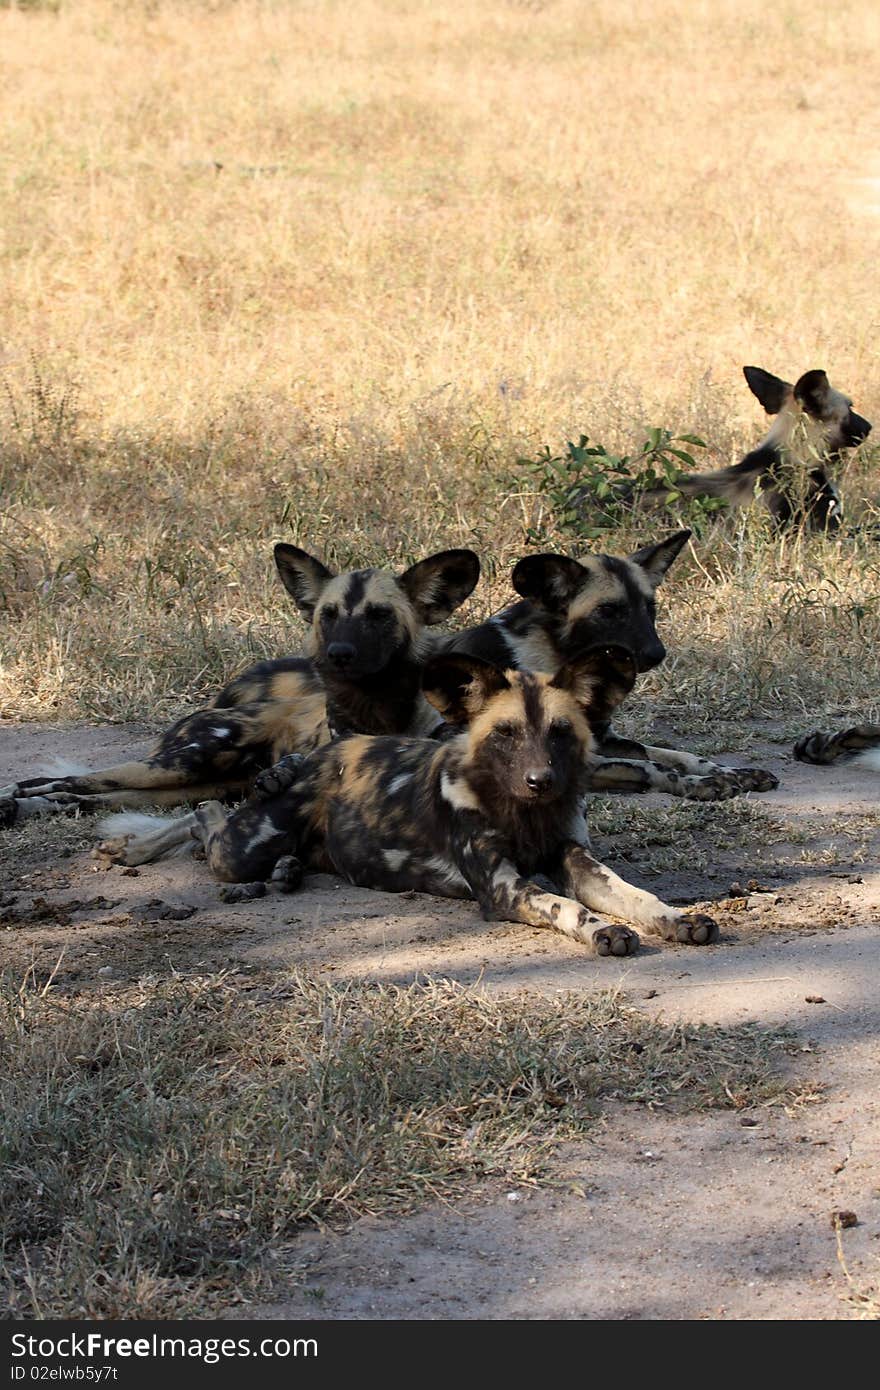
(691, 929)
(755, 779)
(615, 941)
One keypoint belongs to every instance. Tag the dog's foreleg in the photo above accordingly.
(505, 894)
(599, 888)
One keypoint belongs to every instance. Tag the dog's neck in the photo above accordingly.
(386, 702)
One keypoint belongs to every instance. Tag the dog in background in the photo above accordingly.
(791, 470)
(568, 605)
(495, 814)
(361, 670)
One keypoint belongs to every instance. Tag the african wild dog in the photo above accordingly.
(361, 671)
(568, 605)
(861, 744)
(496, 814)
(813, 425)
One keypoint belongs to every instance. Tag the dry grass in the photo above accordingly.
(155, 1142)
(293, 263)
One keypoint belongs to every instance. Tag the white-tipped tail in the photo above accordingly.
(147, 838)
(62, 767)
(869, 759)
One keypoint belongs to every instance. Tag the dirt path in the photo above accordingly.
(657, 1216)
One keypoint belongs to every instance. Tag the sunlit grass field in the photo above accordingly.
(325, 272)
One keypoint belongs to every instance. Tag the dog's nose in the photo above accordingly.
(539, 779)
(651, 656)
(340, 653)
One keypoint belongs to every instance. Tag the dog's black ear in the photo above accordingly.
(550, 580)
(771, 390)
(598, 678)
(812, 391)
(656, 559)
(460, 686)
(437, 586)
(303, 577)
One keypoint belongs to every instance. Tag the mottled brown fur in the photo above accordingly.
(494, 814)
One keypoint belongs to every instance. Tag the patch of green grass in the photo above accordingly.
(155, 1142)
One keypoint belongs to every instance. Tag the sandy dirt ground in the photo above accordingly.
(713, 1215)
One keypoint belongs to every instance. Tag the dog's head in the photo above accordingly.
(528, 733)
(813, 396)
(603, 600)
(362, 620)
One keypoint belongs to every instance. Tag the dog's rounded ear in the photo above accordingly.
(460, 686)
(437, 586)
(302, 575)
(812, 391)
(770, 390)
(599, 678)
(656, 559)
(549, 580)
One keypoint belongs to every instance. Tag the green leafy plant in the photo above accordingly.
(591, 490)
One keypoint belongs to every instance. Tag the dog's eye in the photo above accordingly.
(560, 727)
(505, 730)
(377, 615)
(330, 613)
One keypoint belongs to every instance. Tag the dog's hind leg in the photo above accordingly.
(14, 810)
(818, 747)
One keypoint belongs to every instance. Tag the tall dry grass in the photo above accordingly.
(326, 270)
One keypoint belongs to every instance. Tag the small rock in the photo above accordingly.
(763, 898)
(843, 1220)
(130, 873)
(748, 1123)
(815, 999)
(105, 972)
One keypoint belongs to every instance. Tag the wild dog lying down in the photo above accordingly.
(569, 605)
(789, 470)
(495, 814)
(361, 670)
(861, 744)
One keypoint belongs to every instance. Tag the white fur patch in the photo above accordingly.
(398, 783)
(62, 767)
(266, 832)
(150, 837)
(395, 858)
(134, 823)
(447, 870)
(870, 759)
(458, 794)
